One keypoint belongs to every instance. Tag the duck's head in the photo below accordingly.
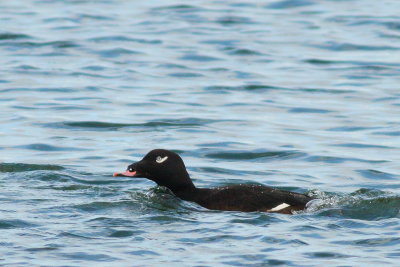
(164, 167)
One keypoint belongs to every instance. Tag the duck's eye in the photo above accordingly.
(160, 159)
(130, 169)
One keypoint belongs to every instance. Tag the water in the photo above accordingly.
(300, 95)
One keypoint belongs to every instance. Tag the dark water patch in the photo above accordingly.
(240, 51)
(94, 68)
(77, 73)
(46, 176)
(254, 155)
(334, 46)
(54, 44)
(142, 252)
(87, 256)
(350, 129)
(44, 249)
(26, 67)
(199, 58)
(48, 90)
(309, 110)
(179, 8)
(215, 238)
(11, 224)
(121, 233)
(13, 36)
(221, 144)
(359, 145)
(286, 4)
(23, 107)
(327, 91)
(121, 38)
(388, 133)
(337, 160)
(233, 20)
(363, 65)
(185, 75)
(317, 61)
(97, 125)
(95, 17)
(75, 236)
(49, 148)
(74, 187)
(250, 87)
(111, 221)
(327, 255)
(392, 25)
(116, 52)
(378, 241)
(378, 175)
(171, 66)
(23, 167)
(60, 19)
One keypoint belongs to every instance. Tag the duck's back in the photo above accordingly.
(244, 197)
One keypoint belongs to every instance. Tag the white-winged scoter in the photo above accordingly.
(166, 168)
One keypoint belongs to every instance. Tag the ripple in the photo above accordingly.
(251, 87)
(327, 254)
(185, 75)
(309, 110)
(87, 256)
(13, 36)
(379, 175)
(121, 38)
(333, 46)
(103, 205)
(243, 155)
(10, 224)
(116, 52)
(285, 4)
(388, 133)
(122, 233)
(240, 51)
(199, 58)
(55, 44)
(329, 159)
(350, 129)
(232, 20)
(23, 167)
(378, 241)
(98, 125)
(45, 147)
(358, 145)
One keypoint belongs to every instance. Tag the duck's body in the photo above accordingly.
(245, 197)
(167, 169)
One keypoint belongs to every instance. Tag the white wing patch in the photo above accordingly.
(160, 159)
(280, 207)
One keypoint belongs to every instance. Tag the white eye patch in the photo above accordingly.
(160, 159)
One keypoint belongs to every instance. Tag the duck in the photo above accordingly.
(166, 168)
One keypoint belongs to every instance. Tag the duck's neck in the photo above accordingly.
(188, 193)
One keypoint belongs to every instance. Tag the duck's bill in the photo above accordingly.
(125, 173)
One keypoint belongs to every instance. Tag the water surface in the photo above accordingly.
(300, 95)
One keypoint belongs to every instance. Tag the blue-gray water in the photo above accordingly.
(301, 95)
